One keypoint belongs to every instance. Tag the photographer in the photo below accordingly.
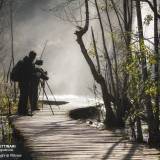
(22, 73)
(38, 74)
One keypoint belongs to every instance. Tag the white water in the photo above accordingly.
(73, 100)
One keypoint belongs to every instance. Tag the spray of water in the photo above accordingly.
(33, 25)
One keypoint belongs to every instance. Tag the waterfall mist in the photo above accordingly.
(33, 24)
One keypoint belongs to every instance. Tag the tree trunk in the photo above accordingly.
(110, 120)
(152, 129)
(107, 98)
(119, 108)
(156, 50)
(139, 130)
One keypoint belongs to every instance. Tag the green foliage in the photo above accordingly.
(148, 19)
(91, 50)
(151, 88)
(137, 88)
(133, 69)
(6, 99)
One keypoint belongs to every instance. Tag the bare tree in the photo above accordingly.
(110, 118)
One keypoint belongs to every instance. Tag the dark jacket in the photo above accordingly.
(27, 69)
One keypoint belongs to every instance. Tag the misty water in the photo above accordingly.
(74, 100)
(33, 25)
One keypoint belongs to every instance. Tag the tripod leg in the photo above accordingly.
(52, 94)
(48, 101)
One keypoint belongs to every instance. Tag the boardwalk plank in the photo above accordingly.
(58, 137)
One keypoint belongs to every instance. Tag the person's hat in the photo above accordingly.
(32, 54)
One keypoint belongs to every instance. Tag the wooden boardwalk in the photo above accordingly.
(58, 137)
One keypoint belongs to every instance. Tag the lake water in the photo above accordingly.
(73, 100)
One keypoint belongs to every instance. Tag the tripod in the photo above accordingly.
(44, 93)
(52, 94)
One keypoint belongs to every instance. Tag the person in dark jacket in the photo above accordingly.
(26, 74)
(38, 75)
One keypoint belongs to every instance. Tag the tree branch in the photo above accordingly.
(97, 76)
(96, 52)
(80, 32)
(151, 6)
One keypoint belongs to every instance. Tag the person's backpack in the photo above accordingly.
(16, 73)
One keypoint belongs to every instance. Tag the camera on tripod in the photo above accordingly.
(39, 62)
(42, 74)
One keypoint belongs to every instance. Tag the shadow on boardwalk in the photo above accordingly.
(58, 137)
(128, 155)
(110, 150)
